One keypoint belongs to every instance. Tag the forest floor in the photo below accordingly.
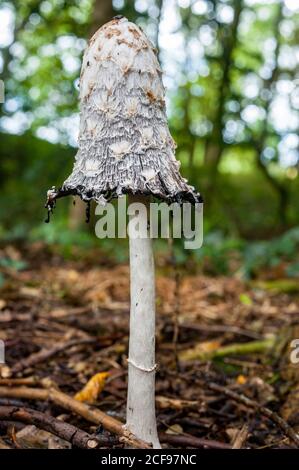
(225, 378)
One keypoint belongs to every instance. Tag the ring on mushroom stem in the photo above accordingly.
(125, 147)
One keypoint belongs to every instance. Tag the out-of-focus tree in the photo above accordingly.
(41, 65)
(237, 93)
(230, 69)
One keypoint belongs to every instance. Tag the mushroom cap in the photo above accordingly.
(124, 142)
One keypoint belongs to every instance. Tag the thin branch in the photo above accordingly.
(222, 329)
(45, 354)
(190, 441)
(241, 437)
(240, 398)
(93, 415)
(68, 432)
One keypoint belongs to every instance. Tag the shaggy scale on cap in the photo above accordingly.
(124, 142)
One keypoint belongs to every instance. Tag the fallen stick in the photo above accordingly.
(241, 437)
(24, 392)
(177, 404)
(237, 396)
(229, 350)
(45, 354)
(62, 312)
(11, 402)
(20, 381)
(222, 329)
(190, 441)
(91, 414)
(68, 432)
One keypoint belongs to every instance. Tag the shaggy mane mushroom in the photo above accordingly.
(125, 147)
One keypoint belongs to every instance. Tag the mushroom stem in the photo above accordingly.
(141, 416)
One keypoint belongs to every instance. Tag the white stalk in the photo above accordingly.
(141, 416)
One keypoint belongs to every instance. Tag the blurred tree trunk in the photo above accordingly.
(160, 5)
(214, 144)
(77, 214)
(190, 142)
(102, 13)
(260, 144)
(279, 188)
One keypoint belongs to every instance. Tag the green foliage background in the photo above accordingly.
(231, 69)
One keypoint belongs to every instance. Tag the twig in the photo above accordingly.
(91, 414)
(62, 313)
(66, 431)
(222, 328)
(241, 437)
(190, 441)
(19, 381)
(11, 402)
(45, 354)
(24, 392)
(239, 397)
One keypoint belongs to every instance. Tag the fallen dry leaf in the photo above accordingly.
(175, 429)
(241, 379)
(93, 388)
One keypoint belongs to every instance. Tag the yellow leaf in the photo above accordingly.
(93, 388)
(241, 380)
(209, 346)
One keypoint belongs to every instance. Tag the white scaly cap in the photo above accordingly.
(124, 142)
